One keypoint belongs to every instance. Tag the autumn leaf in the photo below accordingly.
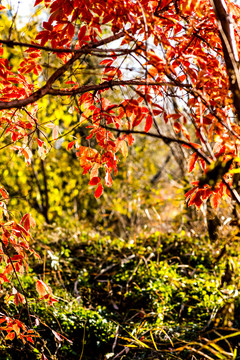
(71, 30)
(148, 123)
(10, 336)
(192, 162)
(82, 32)
(4, 193)
(27, 221)
(55, 133)
(71, 144)
(177, 127)
(40, 142)
(98, 191)
(94, 180)
(37, 2)
(42, 288)
(18, 298)
(123, 148)
(30, 339)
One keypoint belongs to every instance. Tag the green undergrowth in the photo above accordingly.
(152, 296)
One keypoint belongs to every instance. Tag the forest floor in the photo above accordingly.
(148, 296)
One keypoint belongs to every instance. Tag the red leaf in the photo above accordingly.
(70, 82)
(70, 145)
(148, 123)
(2, 320)
(196, 199)
(215, 200)
(206, 193)
(71, 30)
(190, 192)
(185, 133)
(202, 163)
(82, 32)
(177, 127)
(99, 191)
(196, 146)
(192, 162)
(38, 2)
(106, 61)
(95, 180)
(14, 136)
(137, 121)
(47, 2)
(18, 298)
(130, 139)
(40, 142)
(174, 116)
(5, 239)
(42, 288)
(17, 257)
(30, 339)
(4, 193)
(47, 26)
(27, 221)
(4, 278)
(10, 336)
(20, 229)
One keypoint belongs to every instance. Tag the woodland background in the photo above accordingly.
(137, 274)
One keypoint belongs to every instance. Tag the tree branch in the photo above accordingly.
(167, 140)
(84, 50)
(58, 73)
(226, 31)
(48, 90)
(110, 84)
